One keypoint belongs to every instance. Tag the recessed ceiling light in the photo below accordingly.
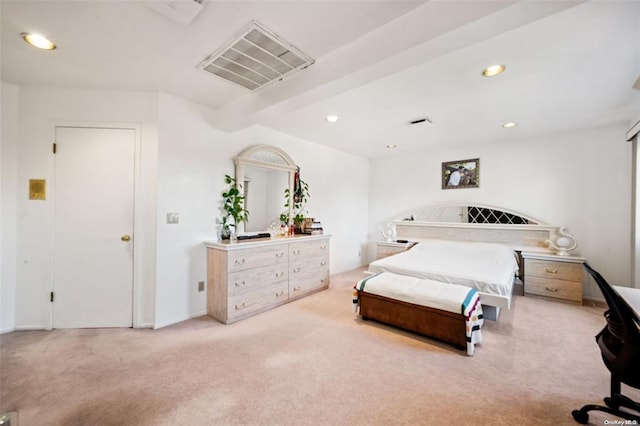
(39, 41)
(392, 145)
(493, 70)
(509, 125)
(332, 118)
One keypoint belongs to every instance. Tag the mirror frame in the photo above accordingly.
(248, 158)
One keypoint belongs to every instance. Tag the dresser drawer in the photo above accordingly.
(245, 281)
(307, 283)
(566, 271)
(308, 275)
(311, 265)
(558, 289)
(240, 260)
(308, 248)
(260, 298)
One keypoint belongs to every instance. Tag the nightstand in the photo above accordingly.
(554, 276)
(389, 248)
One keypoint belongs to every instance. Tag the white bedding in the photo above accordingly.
(418, 291)
(488, 267)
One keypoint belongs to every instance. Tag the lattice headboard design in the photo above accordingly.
(487, 215)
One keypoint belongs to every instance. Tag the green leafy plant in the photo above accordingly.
(300, 199)
(232, 206)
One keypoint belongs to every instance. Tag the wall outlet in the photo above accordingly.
(173, 218)
(200, 285)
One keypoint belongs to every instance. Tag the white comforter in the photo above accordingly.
(487, 267)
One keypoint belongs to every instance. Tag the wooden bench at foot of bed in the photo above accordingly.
(443, 311)
(441, 325)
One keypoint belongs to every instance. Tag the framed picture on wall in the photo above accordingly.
(461, 174)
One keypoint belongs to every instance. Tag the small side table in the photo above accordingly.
(389, 248)
(554, 276)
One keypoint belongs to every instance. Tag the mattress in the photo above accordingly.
(418, 291)
(488, 267)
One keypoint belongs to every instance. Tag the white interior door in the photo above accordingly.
(93, 228)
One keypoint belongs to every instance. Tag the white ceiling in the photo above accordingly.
(378, 64)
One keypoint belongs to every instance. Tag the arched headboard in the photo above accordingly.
(479, 222)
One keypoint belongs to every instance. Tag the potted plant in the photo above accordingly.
(233, 208)
(300, 199)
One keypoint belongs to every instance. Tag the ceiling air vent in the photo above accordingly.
(181, 11)
(255, 59)
(420, 121)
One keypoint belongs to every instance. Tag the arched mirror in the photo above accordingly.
(264, 172)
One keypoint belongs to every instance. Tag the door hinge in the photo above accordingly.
(51, 297)
(54, 147)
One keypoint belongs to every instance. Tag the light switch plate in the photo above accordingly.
(173, 218)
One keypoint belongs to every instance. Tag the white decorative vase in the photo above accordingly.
(564, 243)
(389, 233)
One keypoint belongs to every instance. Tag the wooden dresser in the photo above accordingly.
(558, 277)
(248, 277)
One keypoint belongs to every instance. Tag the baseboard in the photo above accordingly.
(29, 328)
(177, 320)
(198, 314)
(144, 325)
(594, 301)
(6, 330)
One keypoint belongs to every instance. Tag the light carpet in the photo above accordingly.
(310, 362)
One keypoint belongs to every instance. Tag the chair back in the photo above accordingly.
(619, 340)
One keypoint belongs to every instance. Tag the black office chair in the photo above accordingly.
(619, 342)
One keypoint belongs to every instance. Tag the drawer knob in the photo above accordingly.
(279, 255)
(296, 251)
(241, 306)
(552, 290)
(279, 274)
(323, 263)
(296, 288)
(296, 270)
(242, 284)
(323, 280)
(323, 247)
(239, 262)
(551, 271)
(279, 293)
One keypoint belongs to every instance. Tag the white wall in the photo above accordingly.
(9, 96)
(581, 180)
(40, 110)
(193, 158)
(635, 199)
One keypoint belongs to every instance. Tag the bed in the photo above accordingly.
(458, 244)
(490, 268)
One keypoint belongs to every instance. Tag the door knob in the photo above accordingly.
(125, 238)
